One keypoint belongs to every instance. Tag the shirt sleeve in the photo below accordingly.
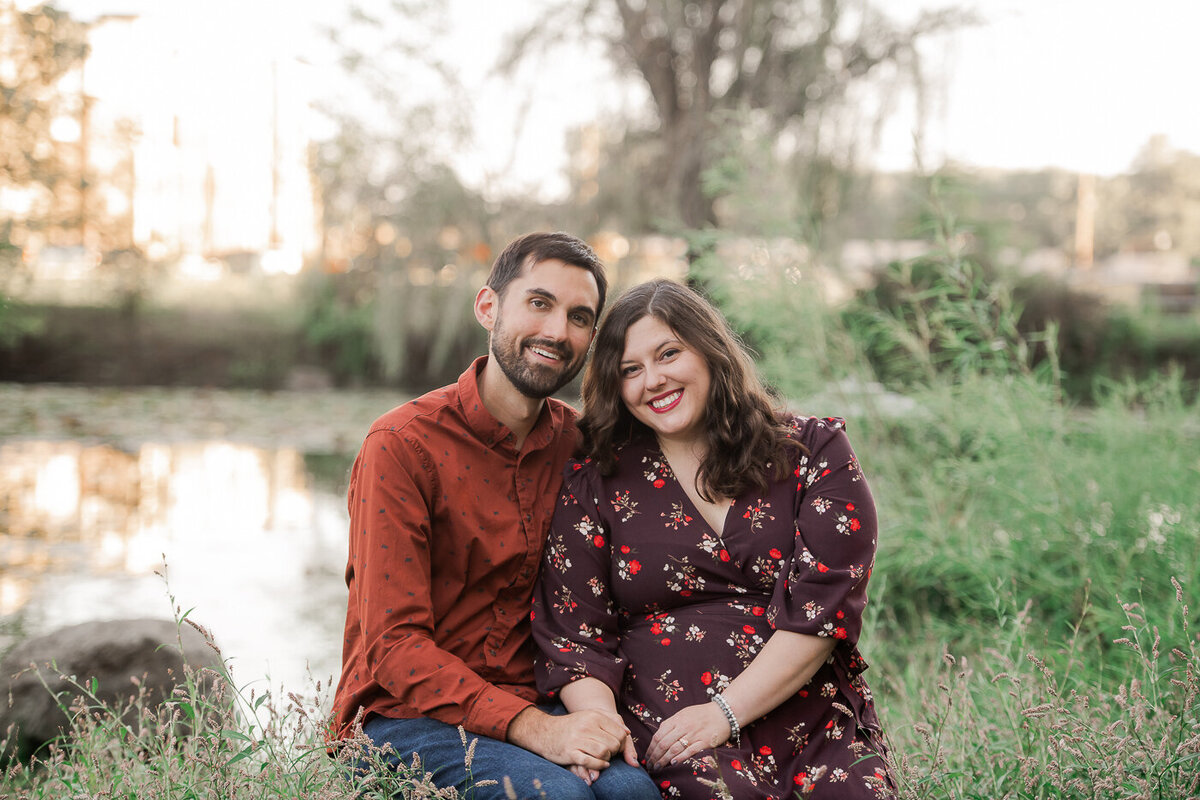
(575, 623)
(390, 555)
(822, 590)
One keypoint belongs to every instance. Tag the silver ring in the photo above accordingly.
(683, 741)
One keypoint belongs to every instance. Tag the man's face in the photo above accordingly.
(543, 326)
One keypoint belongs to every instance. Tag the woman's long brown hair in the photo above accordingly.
(747, 439)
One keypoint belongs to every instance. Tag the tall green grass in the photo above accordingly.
(1028, 619)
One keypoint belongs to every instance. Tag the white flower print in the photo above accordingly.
(623, 506)
(565, 603)
(756, 513)
(676, 517)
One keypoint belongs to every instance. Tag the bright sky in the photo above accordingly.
(1080, 84)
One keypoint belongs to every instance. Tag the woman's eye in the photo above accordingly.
(670, 352)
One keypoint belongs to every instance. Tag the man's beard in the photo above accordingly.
(533, 381)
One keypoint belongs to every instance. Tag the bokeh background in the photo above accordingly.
(234, 233)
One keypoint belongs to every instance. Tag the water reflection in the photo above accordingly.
(251, 542)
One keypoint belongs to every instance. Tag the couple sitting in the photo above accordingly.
(696, 603)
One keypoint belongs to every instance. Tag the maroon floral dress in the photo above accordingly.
(639, 592)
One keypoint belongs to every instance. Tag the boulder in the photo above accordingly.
(120, 655)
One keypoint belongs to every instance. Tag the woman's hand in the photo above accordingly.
(686, 733)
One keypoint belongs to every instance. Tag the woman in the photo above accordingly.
(707, 566)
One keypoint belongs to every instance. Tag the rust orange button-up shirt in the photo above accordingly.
(447, 524)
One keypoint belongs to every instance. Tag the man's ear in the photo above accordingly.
(487, 306)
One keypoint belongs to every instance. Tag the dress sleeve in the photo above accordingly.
(822, 590)
(575, 622)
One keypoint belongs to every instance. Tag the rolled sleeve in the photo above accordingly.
(822, 590)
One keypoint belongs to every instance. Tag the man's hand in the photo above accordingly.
(587, 738)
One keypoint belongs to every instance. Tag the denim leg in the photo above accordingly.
(623, 782)
(442, 753)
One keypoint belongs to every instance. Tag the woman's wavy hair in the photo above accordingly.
(748, 441)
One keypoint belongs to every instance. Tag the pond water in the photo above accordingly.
(253, 540)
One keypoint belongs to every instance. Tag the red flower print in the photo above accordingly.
(841, 614)
(803, 692)
(577, 467)
(775, 553)
(855, 524)
(659, 483)
(821, 567)
(598, 540)
(736, 764)
(849, 506)
(839, 633)
(656, 629)
(758, 611)
(666, 641)
(685, 592)
(800, 779)
(706, 678)
(724, 554)
(624, 548)
(748, 629)
(764, 750)
(665, 784)
(634, 567)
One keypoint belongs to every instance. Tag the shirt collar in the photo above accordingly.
(490, 430)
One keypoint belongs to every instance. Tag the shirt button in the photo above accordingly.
(492, 651)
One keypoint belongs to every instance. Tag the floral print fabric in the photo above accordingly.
(639, 591)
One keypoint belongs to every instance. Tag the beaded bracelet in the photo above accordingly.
(735, 730)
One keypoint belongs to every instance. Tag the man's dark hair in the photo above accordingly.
(534, 247)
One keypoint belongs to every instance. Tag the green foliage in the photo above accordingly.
(1003, 723)
(212, 738)
(337, 323)
(1019, 532)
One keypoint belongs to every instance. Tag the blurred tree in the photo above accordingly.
(393, 210)
(770, 70)
(38, 47)
(1155, 206)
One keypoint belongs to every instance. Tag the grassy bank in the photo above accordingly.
(1028, 631)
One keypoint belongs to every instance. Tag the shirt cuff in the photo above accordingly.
(492, 712)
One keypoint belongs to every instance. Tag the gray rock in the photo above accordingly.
(115, 653)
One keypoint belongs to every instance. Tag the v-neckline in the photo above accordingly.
(730, 502)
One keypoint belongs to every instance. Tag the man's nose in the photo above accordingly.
(555, 327)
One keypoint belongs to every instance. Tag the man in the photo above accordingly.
(450, 500)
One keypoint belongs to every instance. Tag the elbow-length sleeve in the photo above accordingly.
(574, 617)
(822, 590)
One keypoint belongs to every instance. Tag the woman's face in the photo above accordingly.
(664, 381)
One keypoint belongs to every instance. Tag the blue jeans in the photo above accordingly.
(441, 752)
